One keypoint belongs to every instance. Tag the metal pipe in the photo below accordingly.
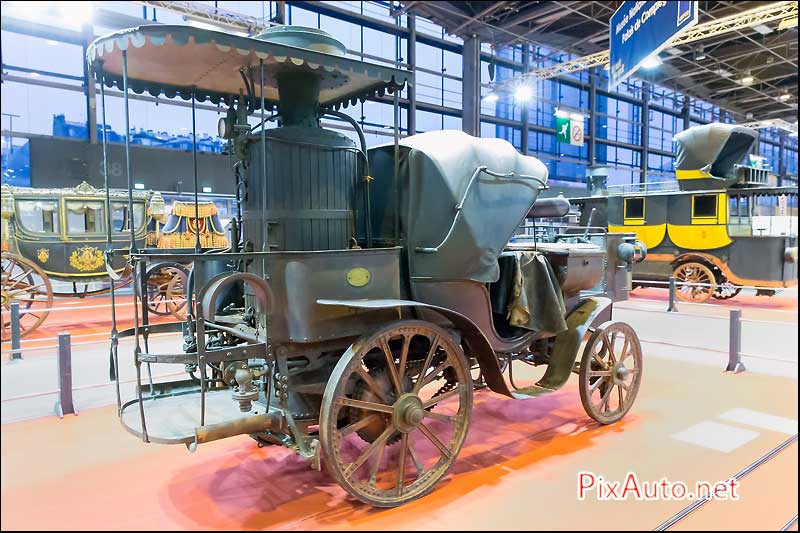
(197, 246)
(239, 426)
(367, 172)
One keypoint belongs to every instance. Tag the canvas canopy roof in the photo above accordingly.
(713, 148)
(171, 59)
(437, 174)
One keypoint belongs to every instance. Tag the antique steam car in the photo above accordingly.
(362, 287)
(720, 227)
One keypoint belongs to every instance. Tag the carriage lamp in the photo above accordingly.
(158, 208)
(7, 211)
(7, 203)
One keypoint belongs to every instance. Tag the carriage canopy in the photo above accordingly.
(712, 150)
(172, 59)
(439, 171)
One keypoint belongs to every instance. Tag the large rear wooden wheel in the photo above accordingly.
(695, 282)
(395, 413)
(610, 372)
(24, 282)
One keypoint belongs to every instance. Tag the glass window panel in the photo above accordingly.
(38, 216)
(84, 217)
(704, 205)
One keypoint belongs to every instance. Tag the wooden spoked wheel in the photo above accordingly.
(610, 372)
(395, 413)
(166, 290)
(725, 289)
(25, 283)
(176, 294)
(695, 282)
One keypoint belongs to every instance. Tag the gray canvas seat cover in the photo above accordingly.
(435, 172)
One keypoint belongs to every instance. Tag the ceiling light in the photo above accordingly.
(747, 79)
(139, 186)
(651, 61)
(206, 189)
(76, 13)
(763, 29)
(560, 113)
(523, 93)
(490, 98)
(52, 43)
(607, 66)
(35, 74)
(700, 53)
(785, 96)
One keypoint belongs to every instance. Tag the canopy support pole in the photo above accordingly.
(264, 245)
(197, 246)
(137, 349)
(128, 148)
(113, 351)
(396, 117)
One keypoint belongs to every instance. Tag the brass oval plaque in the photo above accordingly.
(358, 277)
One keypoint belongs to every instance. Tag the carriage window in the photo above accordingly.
(704, 205)
(138, 215)
(38, 216)
(634, 207)
(85, 217)
(119, 215)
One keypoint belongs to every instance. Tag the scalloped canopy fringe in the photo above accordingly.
(182, 61)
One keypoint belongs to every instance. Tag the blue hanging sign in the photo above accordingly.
(641, 29)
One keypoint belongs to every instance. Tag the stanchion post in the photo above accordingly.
(672, 305)
(64, 403)
(15, 332)
(735, 364)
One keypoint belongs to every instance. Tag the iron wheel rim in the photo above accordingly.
(420, 457)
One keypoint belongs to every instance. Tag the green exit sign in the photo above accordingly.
(569, 129)
(562, 129)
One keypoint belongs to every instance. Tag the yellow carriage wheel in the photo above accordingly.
(22, 281)
(695, 282)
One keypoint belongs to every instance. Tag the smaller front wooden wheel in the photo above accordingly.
(695, 282)
(610, 372)
(395, 413)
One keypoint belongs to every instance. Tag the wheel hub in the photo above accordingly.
(408, 413)
(4, 298)
(620, 373)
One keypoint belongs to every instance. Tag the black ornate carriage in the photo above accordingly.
(61, 234)
(362, 288)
